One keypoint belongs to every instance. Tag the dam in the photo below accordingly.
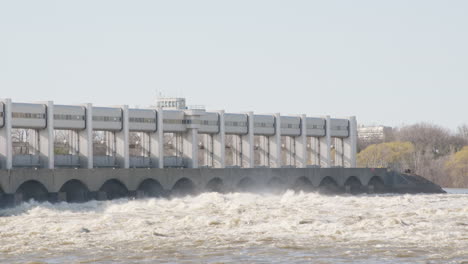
(81, 152)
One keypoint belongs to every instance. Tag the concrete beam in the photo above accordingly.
(6, 145)
(219, 143)
(157, 142)
(301, 145)
(248, 144)
(275, 144)
(46, 139)
(190, 147)
(122, 145)
(86, 140)
(325, 145)
(350, 145)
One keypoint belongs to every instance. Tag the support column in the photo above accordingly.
(350, 144)
(339, 152)
(219, 143)
(6, 145)
(86, 140)
(190, 137)
(275, 144)
(248, 158)
(325, 145)
(301, 145)
(122, 141)
(46, 139)
(157, 142)
(190, 146)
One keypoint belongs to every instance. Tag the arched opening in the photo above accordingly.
(377, 182)
(33, 190)
(353, 184)
(183, 186)
(303, 184)
(215, 185)
(151, 188)
(275, 184)
(76, 191)
(114, 189)
(328, 186)
(247, 185)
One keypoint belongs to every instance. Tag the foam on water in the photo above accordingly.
(241, 227)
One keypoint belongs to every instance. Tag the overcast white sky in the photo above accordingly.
(387, 62)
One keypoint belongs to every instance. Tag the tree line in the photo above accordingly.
(425, 149)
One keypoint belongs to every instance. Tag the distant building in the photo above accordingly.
(171, 103)
(176, 103)
(375, 133)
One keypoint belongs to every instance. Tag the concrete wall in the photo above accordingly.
(53, 180)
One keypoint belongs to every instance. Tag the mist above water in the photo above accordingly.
(241, 227)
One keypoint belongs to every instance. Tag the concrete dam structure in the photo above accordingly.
(75, 153)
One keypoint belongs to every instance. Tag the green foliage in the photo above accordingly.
(458, 167)
(60, 151)
(395, 155)
(459, 160)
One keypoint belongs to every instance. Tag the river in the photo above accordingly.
(241, 228)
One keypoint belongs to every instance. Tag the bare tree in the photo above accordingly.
(21, 141)
(61, 142)
(463, 132)
(433, 145)
(430, 139)
(20, 135)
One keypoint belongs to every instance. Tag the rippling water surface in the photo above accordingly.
(241, 228)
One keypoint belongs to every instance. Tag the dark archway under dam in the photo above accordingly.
(113, 189)
(151, 188)
(329, 186)
(246, 184)
(377, 185)
(75, 191)
(33, 190)
(215, 185)
(303, 184)
(354, 186)
(182, 187)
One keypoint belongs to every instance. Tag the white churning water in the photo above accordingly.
(241, 228)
